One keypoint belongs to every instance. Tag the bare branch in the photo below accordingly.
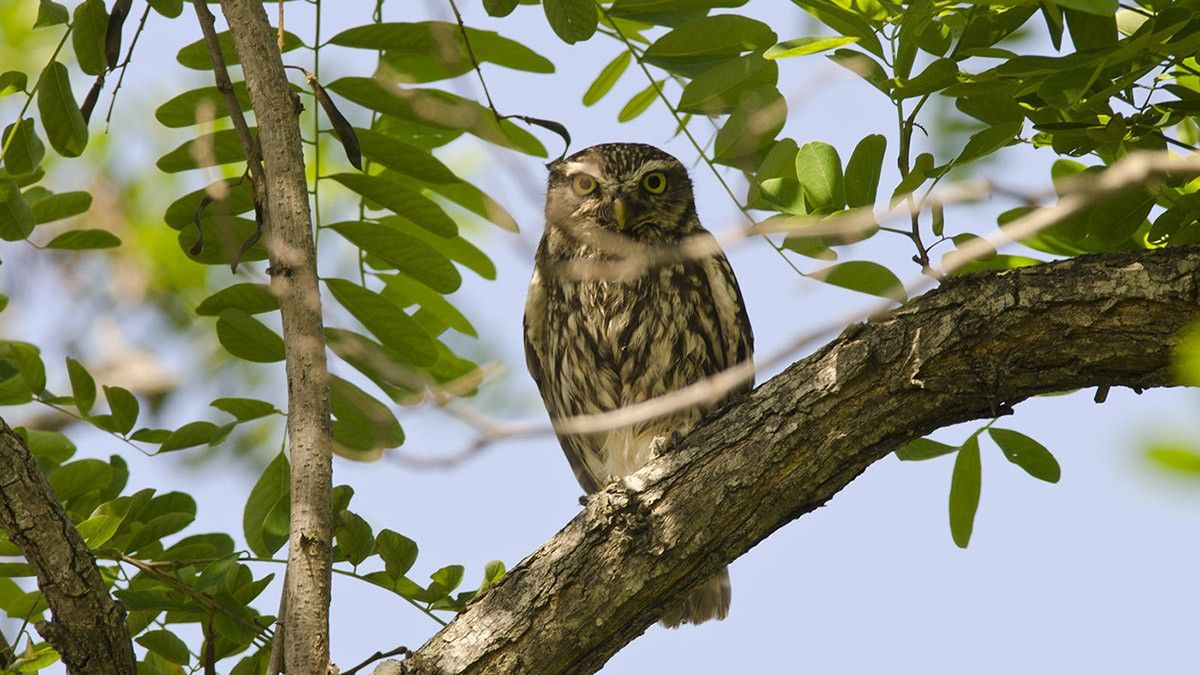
(978, 344)
(88, 628)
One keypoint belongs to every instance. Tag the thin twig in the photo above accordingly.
(398, 651)
(125, 66)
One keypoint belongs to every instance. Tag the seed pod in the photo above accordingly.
(341, 126)
(89, 101)
(112, 33)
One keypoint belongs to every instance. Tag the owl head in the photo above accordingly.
(633, 189)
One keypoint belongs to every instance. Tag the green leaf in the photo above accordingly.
(245, 409)
(499, 7)
(718, 90)
(53, 207)
(863, 276)
(50, 446)
(865, 67)
(77, 240)
(271, 491)
(401, 200)
(97, 530)
(181, 110)
(220, 147)
(61, 118)
(436, 109)
(938, 75)
(404, 158)
(571, 20)
(807, 45)
(1027, 454)
(196, 57)
(457, 248)
(639, 103)
(87, 36)
(988, 141)
(863, 171)
(50, 14)
(79, 477)
(691, 47)
(16, 219)
(406, 292)
(13, 569)
(35, 658)
(751, 129)
(167, 645)
(407, 253)
(168, 8)
(493, 571)
(445, 580)
(386, 321)
(14, 81)
(434, 50)
(250, 298)
(28, 361)
(819, 170)
(921, 168)
(354, 537)
(83, 387)
(923, 448)
(667, 12)
(25, 150)
(775, 185)
(1097, 7)
(363, 424)
(124, 408)
(1175, 457)
(846, 22)
(190, 435)
(247, 338)
(607, 78)
(398, 552)
(964, 492)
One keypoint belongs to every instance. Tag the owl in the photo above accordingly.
(596, 342)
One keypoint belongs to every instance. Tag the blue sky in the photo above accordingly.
(1095, 574)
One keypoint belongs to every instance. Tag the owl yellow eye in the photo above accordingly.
(583, 184)
(655, 182)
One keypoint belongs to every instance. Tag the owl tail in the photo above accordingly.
(709, 600)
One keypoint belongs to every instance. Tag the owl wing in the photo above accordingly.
(574, 446)
(733, 322)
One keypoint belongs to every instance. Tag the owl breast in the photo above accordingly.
(617, 344)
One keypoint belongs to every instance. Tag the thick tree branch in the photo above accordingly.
(88, 628)
(294, 280)
(968, 350)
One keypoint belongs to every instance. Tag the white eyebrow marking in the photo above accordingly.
(584, 167)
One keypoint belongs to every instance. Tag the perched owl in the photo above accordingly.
(596, 343)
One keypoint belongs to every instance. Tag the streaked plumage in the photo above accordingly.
(595, 344)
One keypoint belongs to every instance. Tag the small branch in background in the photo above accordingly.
(398, 651)
(124, 65)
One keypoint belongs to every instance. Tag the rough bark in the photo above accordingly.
(968, 350)
(88, 627)
(294, 280)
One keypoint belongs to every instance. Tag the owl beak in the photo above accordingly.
(619, 212)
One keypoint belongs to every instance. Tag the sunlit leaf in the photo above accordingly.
(819, 170)
(250, 298)
(196, 57)
(398, 552)
(863, 276)
(639, 103)
(807, 45)
(607, 78)
(401, 200)
(863, 171)
(407, 253)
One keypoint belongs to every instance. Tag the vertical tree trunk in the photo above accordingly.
(294, 279)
